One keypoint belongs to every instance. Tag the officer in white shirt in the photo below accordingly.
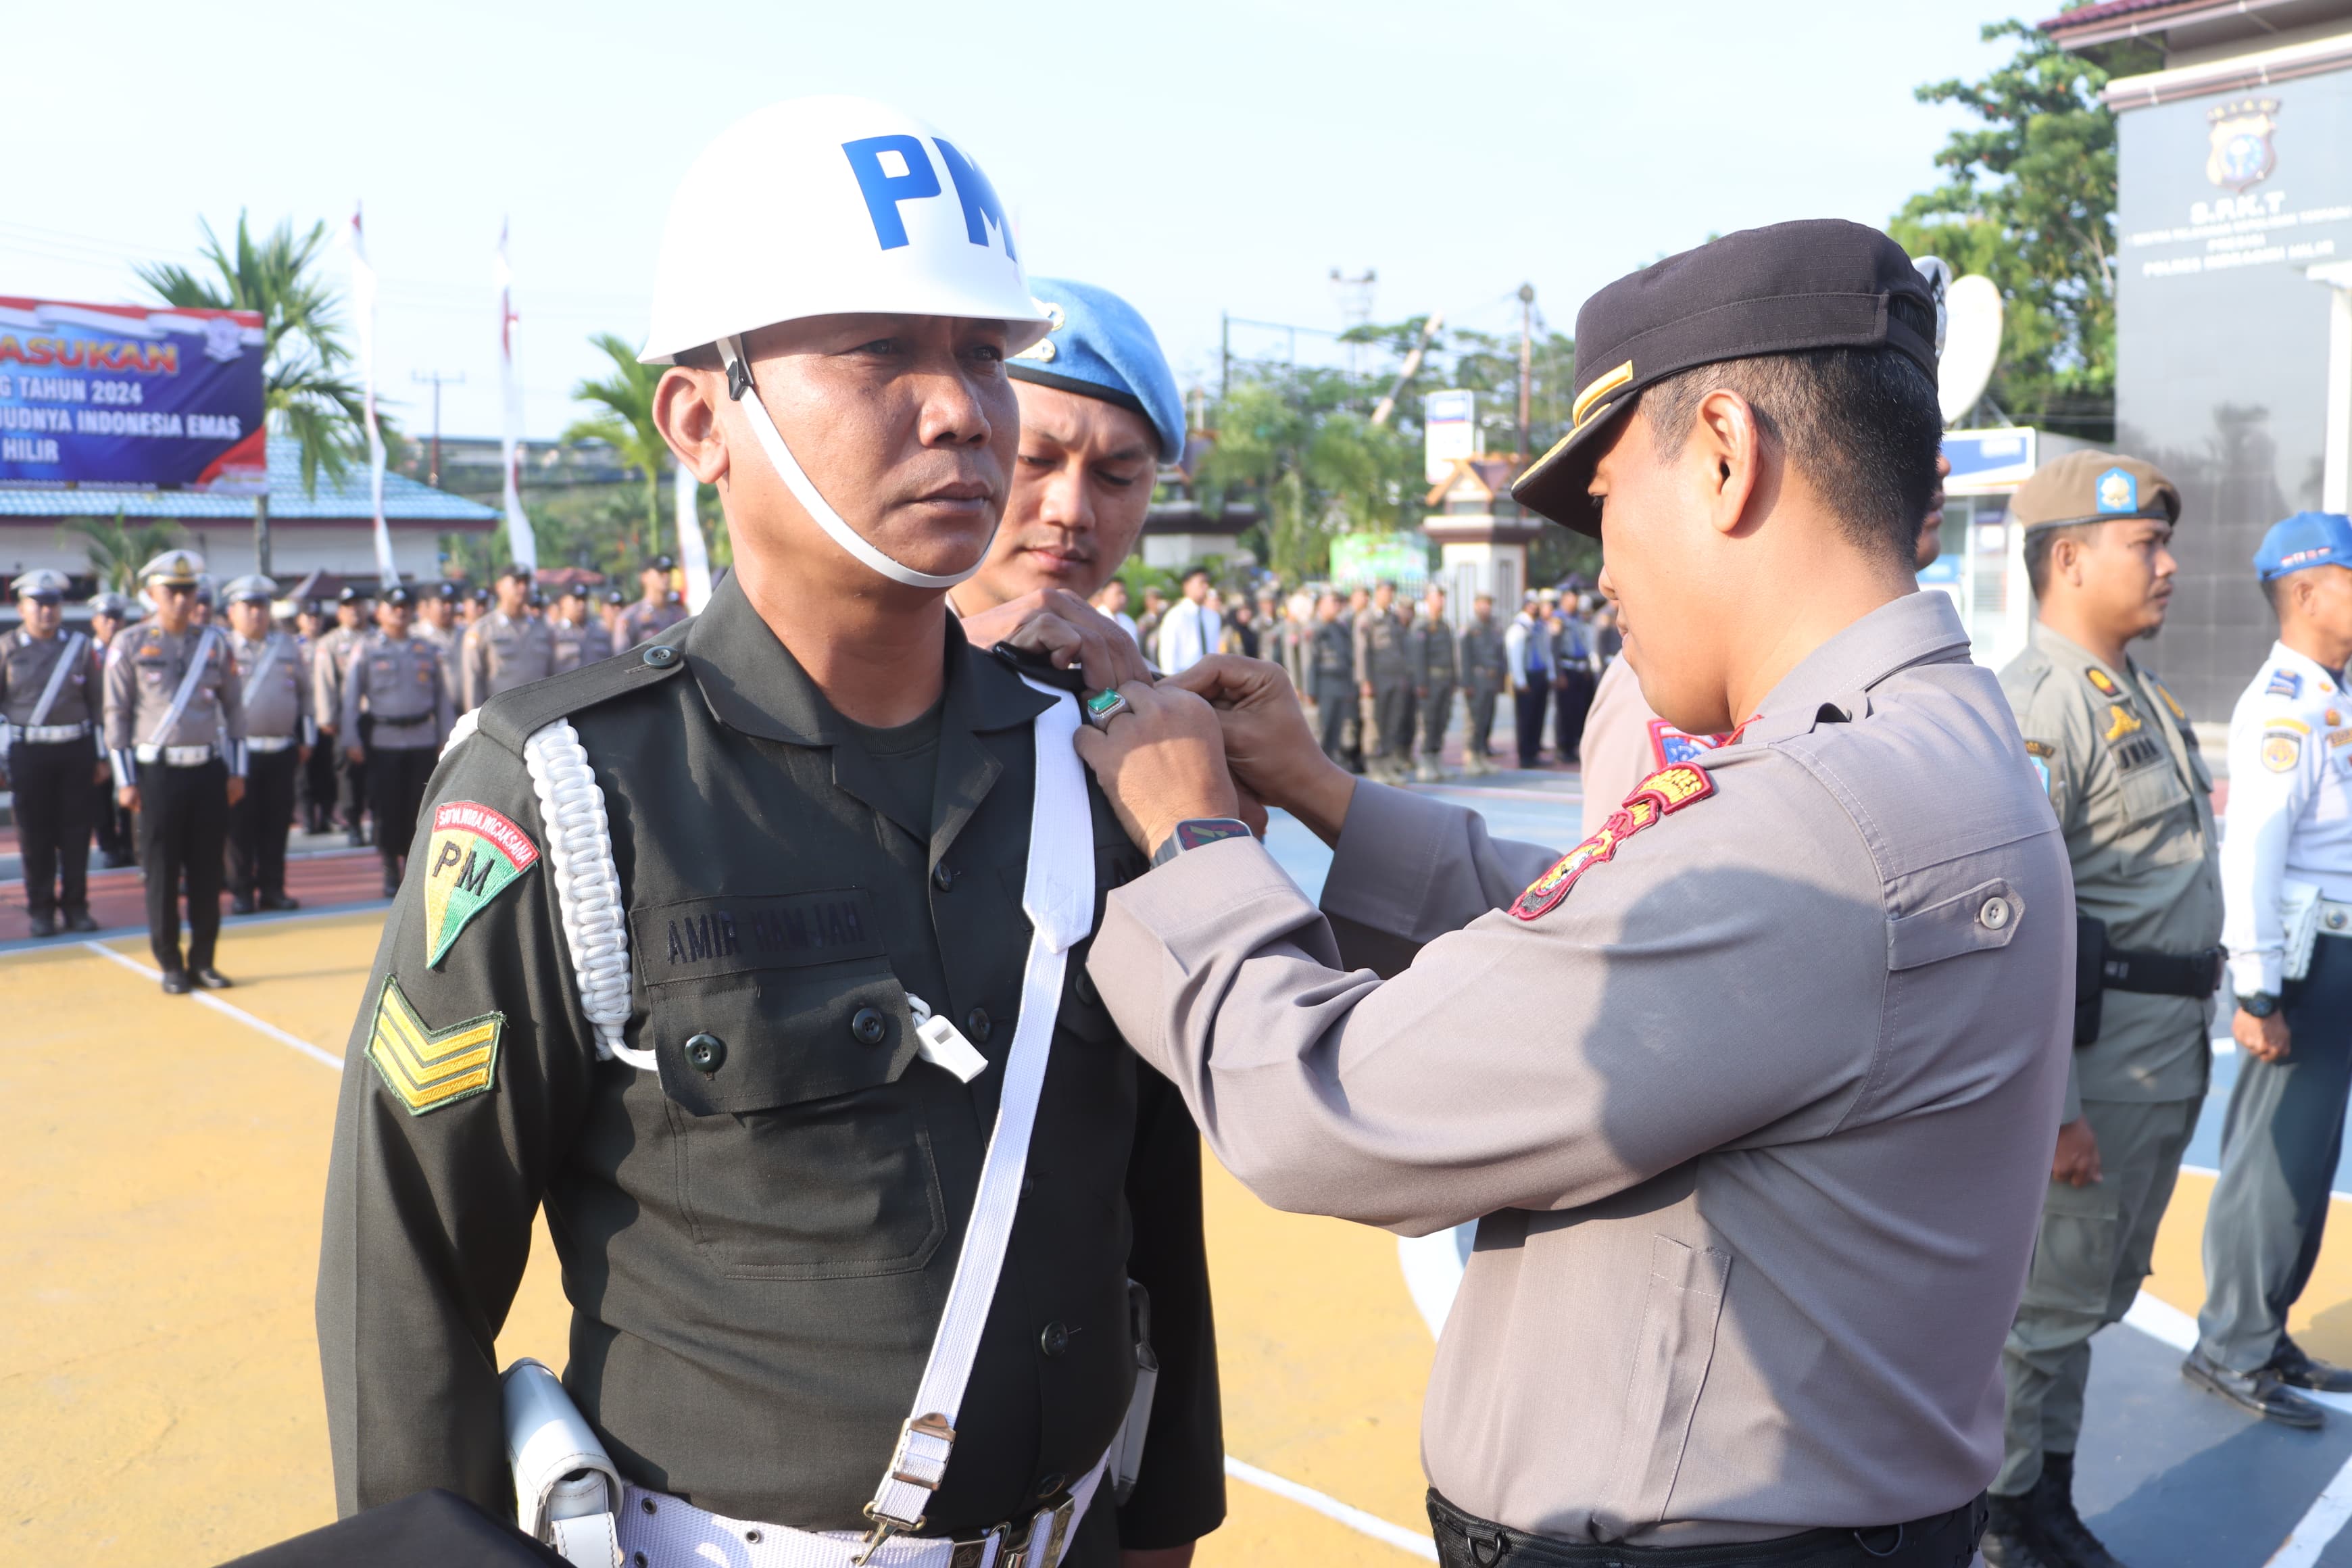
(1189, 632)
(2286, 888)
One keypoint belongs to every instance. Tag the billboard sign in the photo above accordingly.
(130, 397)
(1449, 425)
(1367, 559)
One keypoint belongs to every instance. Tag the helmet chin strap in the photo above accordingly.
(772, 441)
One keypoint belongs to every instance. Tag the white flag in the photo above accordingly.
(522, 547)
(690, 552)
(363, 304)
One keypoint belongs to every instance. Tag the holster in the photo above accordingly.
(2100, 968)
(2090, 975)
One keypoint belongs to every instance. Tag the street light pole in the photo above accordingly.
(1526, 363)
(436, 381)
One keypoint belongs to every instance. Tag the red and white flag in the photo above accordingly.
(364, 291)
(522, 546)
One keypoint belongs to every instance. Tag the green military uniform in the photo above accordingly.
(2133, 798)
(1381, 663)
(1483, 676)
(1428, 648)
(757, 1230)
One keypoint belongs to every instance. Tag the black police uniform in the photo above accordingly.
(757, 1237)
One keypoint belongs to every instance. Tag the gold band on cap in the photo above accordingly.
(1597, 391)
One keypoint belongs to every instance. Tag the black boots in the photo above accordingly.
(2040, 1528)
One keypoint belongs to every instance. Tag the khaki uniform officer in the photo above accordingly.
(508, 648)
(1384, 682)
(279, 735)
(1752, 1093)
(48, 701)
(175, 729)
(2119, 761)
(395, 681)
(1483, 679)
(1436, 670)
(580, 637)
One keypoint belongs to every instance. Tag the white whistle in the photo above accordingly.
(943, 1045)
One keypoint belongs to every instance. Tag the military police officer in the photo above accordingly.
(1430, 650)
(746, 953)
(1752, 1094)
(508, 648)
(2115, 754)
(48, 702)
(279, 735)
(657, 611)
(396, 683)
(175, 731)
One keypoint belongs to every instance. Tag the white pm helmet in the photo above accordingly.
(821, 206)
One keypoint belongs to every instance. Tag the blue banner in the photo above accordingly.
(130, 397)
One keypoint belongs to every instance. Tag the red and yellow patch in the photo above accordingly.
(2100, 681)
(1660, 794)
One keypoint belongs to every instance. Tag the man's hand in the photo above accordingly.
(1068, 628)
(99, 773)
(2265, 1040)
(1268, 746)
(355, 753)
(235, 788)
(127, 797)
(2077, 1160)
(1160, 762)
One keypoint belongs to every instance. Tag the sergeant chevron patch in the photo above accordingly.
(429, 1067)
(473, 854)
(1663, 793)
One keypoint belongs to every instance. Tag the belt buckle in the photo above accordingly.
(1042, 1539)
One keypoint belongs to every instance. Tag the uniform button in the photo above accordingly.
(1049, 1483)
(1054, 1340)
(706, 1053)
(1995, 913)
(661, 656)
(941, 877)
(865, 1026)
(977, 1026)
(1086, 988)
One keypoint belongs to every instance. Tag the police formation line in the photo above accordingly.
(193, 743)
(854, 972)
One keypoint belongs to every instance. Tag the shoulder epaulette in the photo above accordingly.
(513, 717)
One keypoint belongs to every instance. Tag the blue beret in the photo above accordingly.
(2307, 539)
(1100, 347)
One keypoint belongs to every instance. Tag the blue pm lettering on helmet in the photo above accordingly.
(982, 210)
(884, 190)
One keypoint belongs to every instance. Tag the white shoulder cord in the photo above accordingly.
(587, 888)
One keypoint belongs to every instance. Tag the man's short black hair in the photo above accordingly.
(1200, 572)
(2039, 543)
(1861, 424)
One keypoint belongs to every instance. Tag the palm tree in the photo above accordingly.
(627, 423)
(117, 550)
(305, 393)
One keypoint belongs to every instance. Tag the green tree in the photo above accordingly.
(627, 423)
(2029, 200)
(305, 393)
(117, 549)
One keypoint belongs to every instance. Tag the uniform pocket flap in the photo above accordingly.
(1986, 916)
(756, 1042)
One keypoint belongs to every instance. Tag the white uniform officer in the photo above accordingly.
(2286, 890)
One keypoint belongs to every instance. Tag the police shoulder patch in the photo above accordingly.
(2100, 681)
(1663, 793)
(473, 854)
(427, 1067)
(2284, 683)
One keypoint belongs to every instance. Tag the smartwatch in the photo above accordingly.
(1195, 831)
(2261, 1005)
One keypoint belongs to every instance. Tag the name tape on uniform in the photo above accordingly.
(700, 938)
(1661, 793)
(474, 855)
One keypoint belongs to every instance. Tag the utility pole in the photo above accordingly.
(436, 381)
(1526, 363)
(1225, 355)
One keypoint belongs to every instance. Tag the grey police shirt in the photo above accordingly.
(1753, 1096)
(502, 652)
(400, 683)
(145, 667)
(26, 662)
(277, 704)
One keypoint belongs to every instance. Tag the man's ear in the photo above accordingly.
(686, 411)
(1726, 445)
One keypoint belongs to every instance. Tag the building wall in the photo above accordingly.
(2221, 352)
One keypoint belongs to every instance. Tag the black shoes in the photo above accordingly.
(211, 979)
(2262, 1392)
(176, 983)
(241, 904)
(2066, 1538)
(279, 901)
(2297, 1369)
(79, 921)
(2009, 1539)
(43, 925)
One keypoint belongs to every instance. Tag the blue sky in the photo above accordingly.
(1196, 157)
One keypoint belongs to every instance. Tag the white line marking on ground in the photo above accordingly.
(1355, 1519)
(206, 999)
(2187, 1170)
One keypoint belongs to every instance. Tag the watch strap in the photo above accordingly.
(1195, 831)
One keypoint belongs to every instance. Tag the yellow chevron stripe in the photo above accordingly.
(427, 1067)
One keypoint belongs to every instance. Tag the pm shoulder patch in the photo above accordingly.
(2100, 681)
(427, 1067)
(473, 854)
(1660, 794)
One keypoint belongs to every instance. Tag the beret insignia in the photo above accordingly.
(2119, 492)
(427, 1067)
(1661, 793)
(2100, 682)
(474, 855)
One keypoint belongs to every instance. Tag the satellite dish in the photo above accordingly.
(1971, 344)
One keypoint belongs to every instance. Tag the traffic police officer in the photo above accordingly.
(437, 623)
(1753, 1092)
(49, 702)
(2286, 880)
(1429, 649)
(508, 648)
(771, 845)
(175, 729)
(108, 614)
(580, 637)
(329, 663)
(658, 611)
(1384, 682)
(396, 683)
(2117, 756)
(279, 735)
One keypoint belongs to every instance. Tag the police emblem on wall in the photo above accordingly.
(2241, 153)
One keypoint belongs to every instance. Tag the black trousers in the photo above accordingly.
(1574, 702)
(259, 824)
(1530, 710)
(396, 781)
(1436, 714)
(1335, 700)
(352, 792)
(1477, 740)
(1941, 1541)
(317, 784)
(1392, 708)
(52, 780)
(182, 829)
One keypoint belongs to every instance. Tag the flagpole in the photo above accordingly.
(522, 545)
(364, 291)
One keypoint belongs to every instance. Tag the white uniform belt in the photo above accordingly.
(49, 734)
(2334, 918)
(268, 742)
(657, 1531)
(176, 756)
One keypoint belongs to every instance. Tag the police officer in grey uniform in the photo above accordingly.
(657, 611)
(175, 731)
(1752, 1094)
(1428, 648)
(508, 648)
(330, 662)
(1384, 680)
(578, 634)
(396, 683)
(436, 622)
(1483, 680)
(279, 735)
(2119, 760)
(108, 614)
(48, 702)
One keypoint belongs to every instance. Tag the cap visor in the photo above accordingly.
(1558, 486)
